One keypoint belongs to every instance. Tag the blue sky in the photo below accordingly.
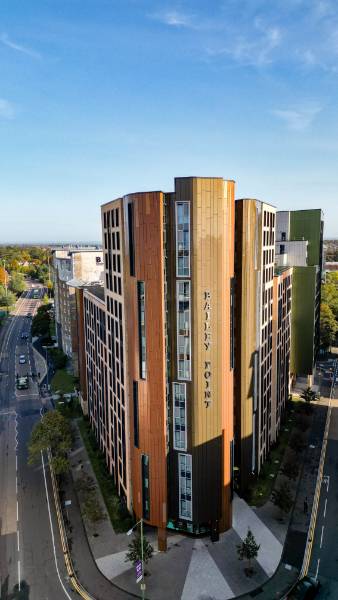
(99, 98)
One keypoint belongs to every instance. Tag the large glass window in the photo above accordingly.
(145, 486)
(131, 238)
(183, 239)
(142, 328)
(185, 486)
(180, 416)
(183, 330)
(136, 418)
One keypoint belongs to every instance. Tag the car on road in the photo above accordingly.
(22, 359)
(306, 589)
(22, 383)
(24, 336)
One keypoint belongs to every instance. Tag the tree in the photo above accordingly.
(328, 326)
(134, 553)
(54, 432)
(17, 283)
(330, 292)
(282, 497)
(248, 549)
(7, 298)
(4, 279)
(41, 321)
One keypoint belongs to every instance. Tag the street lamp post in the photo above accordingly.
(143, 585)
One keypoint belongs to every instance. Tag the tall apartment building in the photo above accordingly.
(169, 262)
(95, 344)
(72, 268)
(254, 271)
(299, 244)
(281, 346)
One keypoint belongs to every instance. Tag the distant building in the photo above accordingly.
(299, 244)
(72, 268)
(331, 266)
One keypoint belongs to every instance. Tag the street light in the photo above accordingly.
(143, 585)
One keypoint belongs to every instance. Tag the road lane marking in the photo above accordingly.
(321, 537)
(325, 508)
(18, 539)
(317, 570)
(51, 528)
(17, 511)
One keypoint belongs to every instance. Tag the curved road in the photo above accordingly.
(31, 561)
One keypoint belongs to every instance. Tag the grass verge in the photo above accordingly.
(63, 382)
(260, 490)
(120, 518)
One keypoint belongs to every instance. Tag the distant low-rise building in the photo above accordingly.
(72, 268)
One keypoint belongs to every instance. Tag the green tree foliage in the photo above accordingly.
(6, 298)
(54, 432)
(42, 321)
(59, 358)
(330, 292)
(248, 549)
(282, 497)
(134, 553)
(328, 326)
(17, 283)
(309, 395)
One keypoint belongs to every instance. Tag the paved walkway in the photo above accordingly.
(191, 569)
(197, 569)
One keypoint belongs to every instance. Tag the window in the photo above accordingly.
(131, 238)
(282, 249)
(141, 328)
(145, 486)
(185, 486)
(283, 234)
(136, 419)
(180, 416)
(183, 239)
(183, 330)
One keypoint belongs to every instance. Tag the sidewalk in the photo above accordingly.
(194, 569)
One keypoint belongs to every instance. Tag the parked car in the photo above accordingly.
(22, 359)
(306, 589)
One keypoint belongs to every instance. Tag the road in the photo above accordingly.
(324, 557)
(31, 560)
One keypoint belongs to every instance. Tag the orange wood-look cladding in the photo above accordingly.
(149, 267)
(212, 268)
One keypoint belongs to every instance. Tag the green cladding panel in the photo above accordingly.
(303, 319)
(307, 225)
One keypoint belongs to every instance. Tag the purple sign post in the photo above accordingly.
(139, 571)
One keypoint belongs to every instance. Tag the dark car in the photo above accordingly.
(306, 589)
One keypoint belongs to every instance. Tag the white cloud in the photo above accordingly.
(174, 18)
(6, 109)
(255, 49)
(4, 39)
(298, 119)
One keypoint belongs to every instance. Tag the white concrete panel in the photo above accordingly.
(270, 551)
(204, 580)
